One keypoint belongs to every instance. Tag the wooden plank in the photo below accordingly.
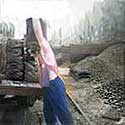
(23, 91)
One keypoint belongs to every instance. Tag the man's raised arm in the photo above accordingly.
(45, 49)
(38, 31)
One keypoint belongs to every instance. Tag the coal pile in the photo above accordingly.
(113, 93)
(106, 66)
(107, 74)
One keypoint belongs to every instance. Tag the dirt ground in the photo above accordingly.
(92, 105)
(101, 95)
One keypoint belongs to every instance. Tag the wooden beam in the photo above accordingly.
(26, 90)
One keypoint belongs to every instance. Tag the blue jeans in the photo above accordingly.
(55, 104)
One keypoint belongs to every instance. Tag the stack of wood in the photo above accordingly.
(17, 57)
(2, 58)
(14, 60)
(30, 66)
(32, 48)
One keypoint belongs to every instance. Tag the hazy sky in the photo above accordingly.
(49, 9)
(59, 11)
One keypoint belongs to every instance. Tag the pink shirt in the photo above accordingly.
(49, 68)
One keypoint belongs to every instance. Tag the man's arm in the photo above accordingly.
(38, 31)
(45, 48)
(46, 52)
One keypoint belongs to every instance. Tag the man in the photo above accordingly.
(55, 102)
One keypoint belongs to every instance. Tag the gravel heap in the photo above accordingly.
(107, 74)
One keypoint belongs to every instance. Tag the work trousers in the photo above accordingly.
(55, 104)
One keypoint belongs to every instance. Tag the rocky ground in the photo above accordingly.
(92, 105)
(102, 93)
(100, 96)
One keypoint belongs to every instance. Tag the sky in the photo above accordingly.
(48, 9)
(55, 11)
